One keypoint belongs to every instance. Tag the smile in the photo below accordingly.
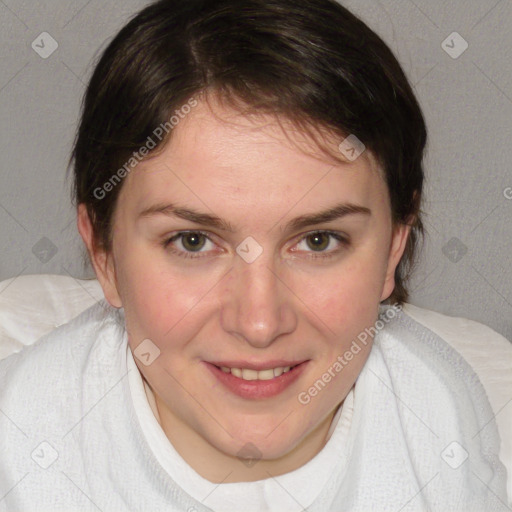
(250, 383)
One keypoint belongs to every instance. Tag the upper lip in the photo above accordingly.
(275, 363)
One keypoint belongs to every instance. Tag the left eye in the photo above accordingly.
(193, 241)
(320, 240)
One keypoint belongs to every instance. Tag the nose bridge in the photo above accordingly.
(256, 307)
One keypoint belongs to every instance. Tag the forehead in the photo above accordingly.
(217, 155)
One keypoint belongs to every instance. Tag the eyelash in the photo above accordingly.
(323, 255)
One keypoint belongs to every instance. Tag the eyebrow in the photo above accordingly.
(336, 212)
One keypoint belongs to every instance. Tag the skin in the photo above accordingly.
(285, 304)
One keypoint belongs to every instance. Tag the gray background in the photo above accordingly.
(467, 101)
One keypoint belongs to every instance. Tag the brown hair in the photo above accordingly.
(311, 61)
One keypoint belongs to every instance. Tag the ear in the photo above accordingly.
(399, 238)
(102, 262)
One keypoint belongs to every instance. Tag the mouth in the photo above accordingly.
(252, 383)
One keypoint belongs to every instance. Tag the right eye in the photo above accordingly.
(191, 242)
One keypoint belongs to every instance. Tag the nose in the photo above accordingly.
(257, 306)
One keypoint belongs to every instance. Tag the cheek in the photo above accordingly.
(154, 299)
(346, 297)
(162, 302)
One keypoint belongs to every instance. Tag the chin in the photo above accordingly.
(265, 445)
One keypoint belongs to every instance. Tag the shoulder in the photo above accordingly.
(473, 358)
(46, 390)
(55, 359)
(487, 352)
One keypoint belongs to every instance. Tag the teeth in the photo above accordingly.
(262, 375)
(278, 371)
(248, 374)
(236, 372)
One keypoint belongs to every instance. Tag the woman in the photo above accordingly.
(248, 181)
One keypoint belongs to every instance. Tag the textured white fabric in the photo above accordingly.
(490, 356)
(32, 305)
(71, 438)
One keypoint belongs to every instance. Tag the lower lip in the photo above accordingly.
(256, 389)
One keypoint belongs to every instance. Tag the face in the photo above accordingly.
(215, 263)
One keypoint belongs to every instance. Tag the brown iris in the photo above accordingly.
(193, 241)
(318, 241)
